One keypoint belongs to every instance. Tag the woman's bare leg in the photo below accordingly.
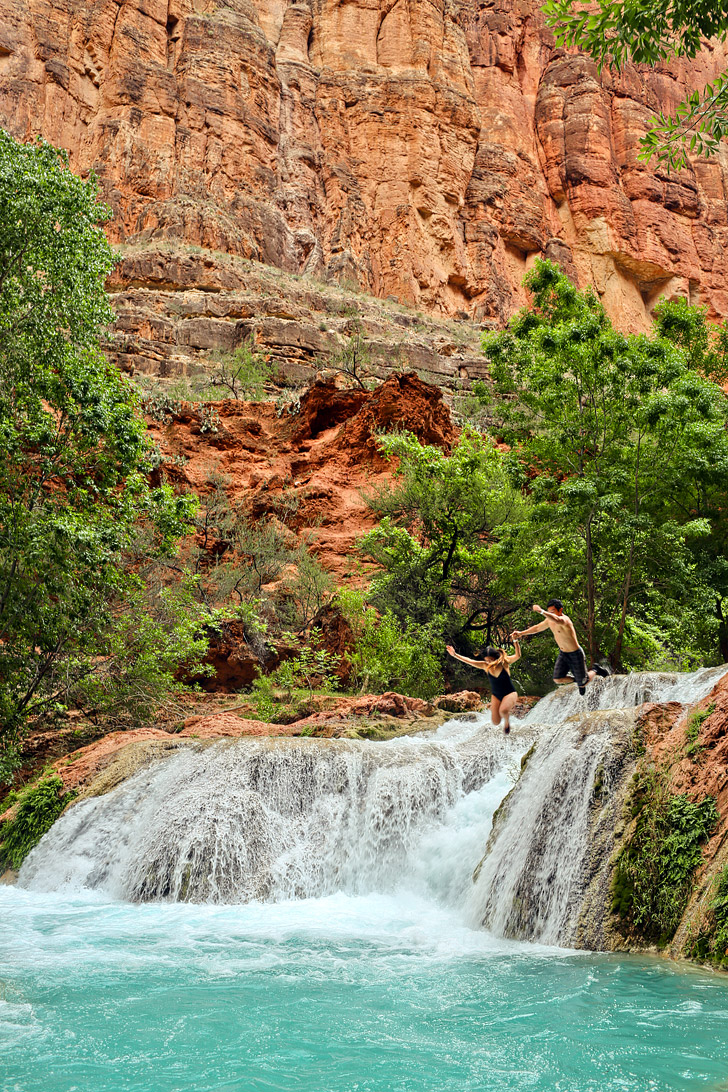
(505, 708)
(495, 711)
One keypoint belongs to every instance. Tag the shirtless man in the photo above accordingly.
(571, 659)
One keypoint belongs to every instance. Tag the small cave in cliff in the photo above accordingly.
(324, 406)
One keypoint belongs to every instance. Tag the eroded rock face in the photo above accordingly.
(309, 469)
(426, 151)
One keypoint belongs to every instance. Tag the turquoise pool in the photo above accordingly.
(373, 993)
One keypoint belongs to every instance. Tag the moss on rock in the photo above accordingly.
(35, 812)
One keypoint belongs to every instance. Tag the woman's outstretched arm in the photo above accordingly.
(482, 665)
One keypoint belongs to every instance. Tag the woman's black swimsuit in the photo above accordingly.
(501, 684)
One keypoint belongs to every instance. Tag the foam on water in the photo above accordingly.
(373, 993)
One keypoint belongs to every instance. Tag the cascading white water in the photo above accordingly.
(274, 819)
(625, 692)
(242, 820)
(532, 883)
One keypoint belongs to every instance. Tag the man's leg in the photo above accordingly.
(581, 674)
(561, 667)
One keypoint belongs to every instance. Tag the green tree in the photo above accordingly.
(73, 450)
(389, 655)
(613, 437)
(649, 32)
(704, 491)
(439, 524)
(240, 374)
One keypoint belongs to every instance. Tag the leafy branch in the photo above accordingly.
(649, 32)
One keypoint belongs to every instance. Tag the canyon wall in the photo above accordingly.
(424, 150)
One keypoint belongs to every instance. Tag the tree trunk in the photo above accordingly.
(590, 593)
(722, 632)
(616, 657)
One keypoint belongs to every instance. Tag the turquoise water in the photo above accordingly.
(340, 994)
(373, 980)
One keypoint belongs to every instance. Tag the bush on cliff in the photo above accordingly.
(621, 444)
(654, 874)
(73, 450)
(711, 943)
(241, 374)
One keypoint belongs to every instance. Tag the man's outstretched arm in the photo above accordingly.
(558, 618)
(538, 628)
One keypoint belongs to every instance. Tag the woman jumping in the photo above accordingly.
(497, 666)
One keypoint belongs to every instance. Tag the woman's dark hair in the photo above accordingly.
(555, 603)
(492, 653)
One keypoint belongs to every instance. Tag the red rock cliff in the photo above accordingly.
(425, 150)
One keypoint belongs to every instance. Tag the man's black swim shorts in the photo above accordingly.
(572, 663)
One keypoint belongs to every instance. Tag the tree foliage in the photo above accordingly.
(241, 374)
(649, 32)
(434, 545)
(73, 450)
(621, 443)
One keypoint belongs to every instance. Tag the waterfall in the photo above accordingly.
(532, 881)
(625, 692)
(546, 872)
(267, 819)
(232, 821)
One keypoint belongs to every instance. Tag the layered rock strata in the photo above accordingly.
(425, 151)
(178, 307)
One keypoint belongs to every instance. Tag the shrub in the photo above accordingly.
(306, 590)
(354, 359)
(696, 720)
(39, 807)
(389, 655)
(712, 941)
(241, 374)
(287, 690)
(655, 869)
